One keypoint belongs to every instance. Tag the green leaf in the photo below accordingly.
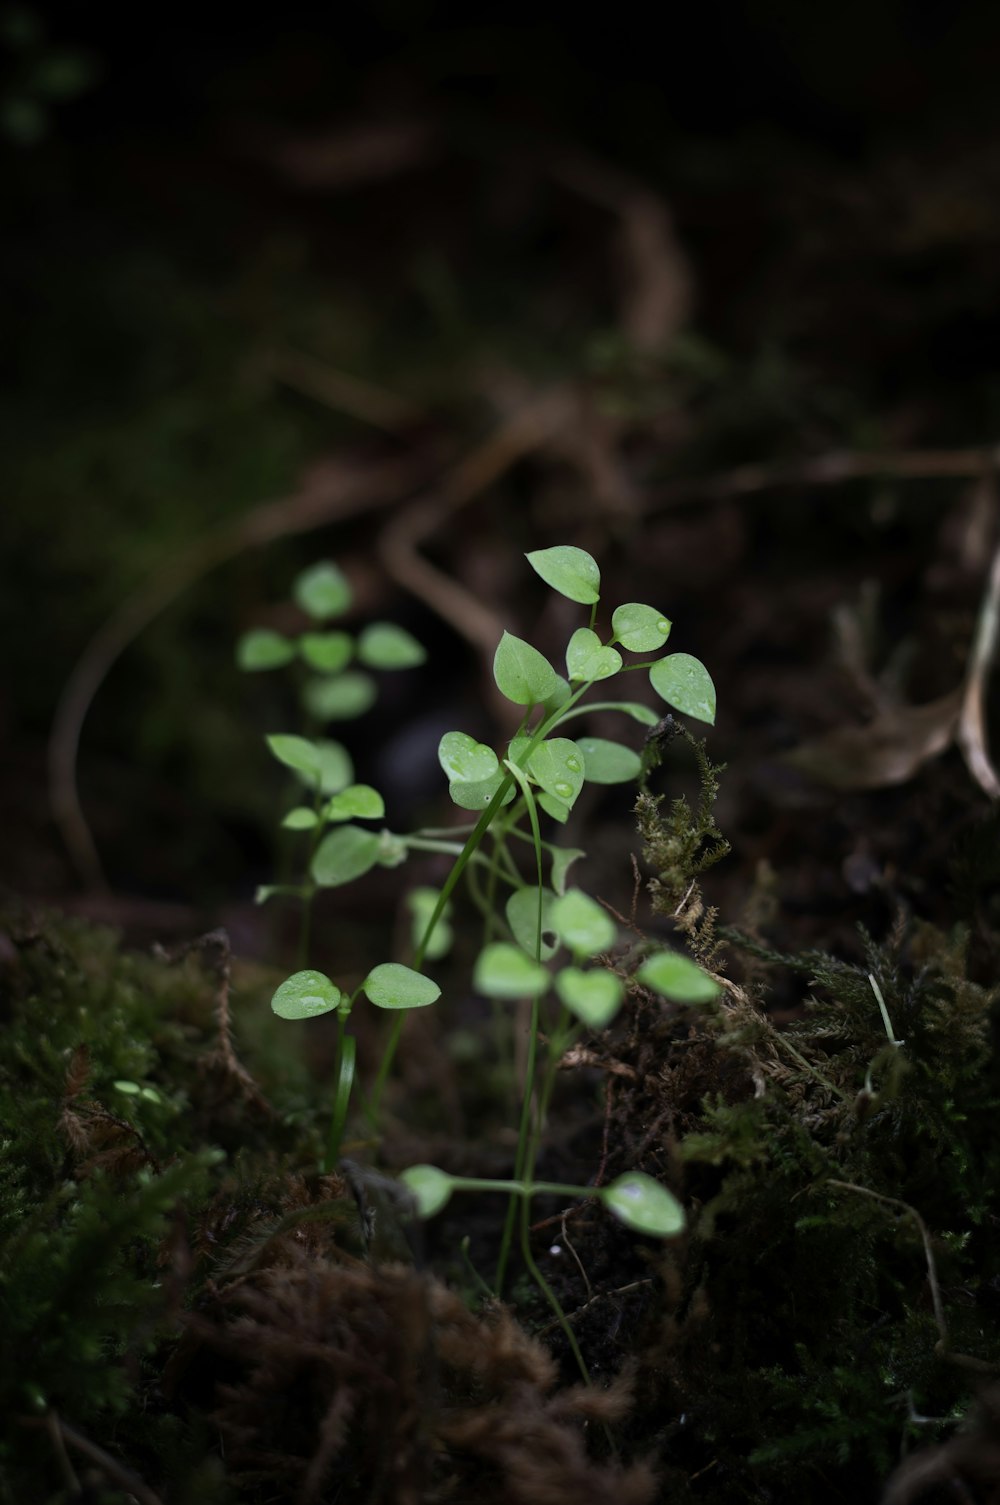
(392, 850)
(298, 753)
(558, 697)
(685, 683)
(329, 652)
(342, 697)
(356, 802)
(393, 986)
(322, 591)
(304, 995)
(554, 807)
(587, 658)
(522, 674)
(300, 819)
(562, 858)
(421, 903)
(677, 977)
(572, 572)
(504, 971)
(265, 891)
(594, 996)
(382, 645)
(609, 762)
(477, 796)
(581, 923)
(431, 1188)
(643, 1205)
(640, 629)
(522, 917)
(556, 765)
(464, 760)
(344, 855)
(262, 648)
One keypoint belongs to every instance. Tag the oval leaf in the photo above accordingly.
(504, 971)
(581, 923)
(356, 802)
(593, 996)
(554, 807)
(343, 856)
(421, 903)
(522, 674)
(685, 683)
(342, 697)
(557, 766)
(677, 977)
(562, 858)
(383, 645)
(640, 629)
(322, 591)
(263, 648)
(643, 1205)
(587, 658)
(329, 652)
(298, 753)
(430, 1187)
(609, 762)
(300, 819)
(478, 796)
(572, 572)
(393, 986)
(464, 760)
(522, 917)
(304, 995)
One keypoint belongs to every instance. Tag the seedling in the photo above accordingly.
(544, 940)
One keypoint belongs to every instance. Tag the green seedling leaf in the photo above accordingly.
(343, 856)
(593, 996)
(556, 808)
(587, 658)
(557, 767)
(322, 591)
(677, 977)
(356, 802)
(298, 753)
(265, 891)
(262, 648)
(571, 572)
(336, 768)
(685, 683)
(643, 1205)
(393, 986)
(522, 917)
(581, 924)
(341, 697)
(562, 857)
(640, 629)
(300, 819)
(430, 1187)
(559, 696)
(392, 850)
(522, 674)
(385, 646)
(130, 1089)
(304, 995)
(466, 761)
(421, 903)
(478, 796)
(609, 762)
(329, 652)
(505, 971)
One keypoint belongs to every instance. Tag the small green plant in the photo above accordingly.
(543, 940)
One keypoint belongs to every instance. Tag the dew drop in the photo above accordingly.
(564, 790)
(573, 763)
(663, 626)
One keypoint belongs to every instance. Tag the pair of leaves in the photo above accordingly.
(321, 765)
(307, 994)
(356, 802)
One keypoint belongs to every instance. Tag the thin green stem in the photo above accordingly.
(547, 1291)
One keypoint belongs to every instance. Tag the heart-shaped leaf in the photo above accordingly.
(609, 762)
(557, 766)
(478, 796)
(522, 674)
(431, 1188)
(587, 658)
(643, 1205)
(382, 645)
(322, 591)
(344, 855)
(522, 917)
(581, 924)
(593, 996)
(640, 629)
(505, 971)
(304, 995)
(329, 652)
(393, 986)
(685, 683)
(263, 648)
(677, 977)
(356, 802)
(464, 760)
(342, 697)
(572, 572)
